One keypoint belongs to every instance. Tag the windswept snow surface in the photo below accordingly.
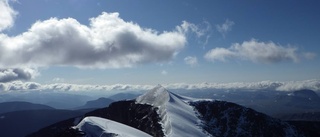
(100, 127)
(178, 117)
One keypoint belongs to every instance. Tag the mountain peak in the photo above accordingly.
(306, 94)
(170, 109)
(156, 96)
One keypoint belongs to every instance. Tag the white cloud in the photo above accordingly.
(108, 42)
(202, 31)
(7, 16)
(257, 52)
(58, 80)
(191, 60)
(8, 75)
(249, 86)
(252, 86)
(219, 54)
(199, 30)
(163, 72)
(225, 27)
(19, 86)
(27, 86)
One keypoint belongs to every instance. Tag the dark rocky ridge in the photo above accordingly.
(222, 118)
(139, 116)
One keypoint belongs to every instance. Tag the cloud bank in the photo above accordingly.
(249, 86)
(8, 75)
(257, 52)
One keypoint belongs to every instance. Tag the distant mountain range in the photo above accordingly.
(52, 99)
(21, 123)
(18, 119)
(18, 106)
(99, 103)
(282, 103)
(123, 96)
(160, 112)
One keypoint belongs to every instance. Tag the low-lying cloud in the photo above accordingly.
(8, 75)
(250, 86)
(257, 52)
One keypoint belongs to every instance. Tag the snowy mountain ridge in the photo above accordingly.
(161, 113)
(178, 118)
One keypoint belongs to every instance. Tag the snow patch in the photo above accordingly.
(100, 127)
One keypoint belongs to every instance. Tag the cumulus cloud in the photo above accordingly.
(8, 75)
(191, 60)
(19, 86)
(257, 52)
(249, 86)
(108, 42)
(7, 16)
(202, 31)
(199, 30)
(225, 27)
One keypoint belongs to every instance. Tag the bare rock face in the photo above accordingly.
(140, 116)
(222, 118)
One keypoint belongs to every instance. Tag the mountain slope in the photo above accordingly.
(140, 116)
(161, 113)
(177, 117)
(228, 119)
(95, 126)
(21, 123)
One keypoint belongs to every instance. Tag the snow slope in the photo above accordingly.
(100, 127)
(178, 118)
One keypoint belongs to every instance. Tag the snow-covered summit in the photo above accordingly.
(157, 97)
(178, 118)
(100, 127)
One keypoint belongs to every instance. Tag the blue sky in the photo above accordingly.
(109, 42)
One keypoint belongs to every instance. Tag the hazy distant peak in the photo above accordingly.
(306, 94)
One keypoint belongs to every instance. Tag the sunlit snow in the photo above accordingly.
(96, 127)
(178, 117)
